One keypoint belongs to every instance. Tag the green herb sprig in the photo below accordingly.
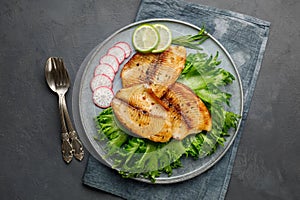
(191, 41)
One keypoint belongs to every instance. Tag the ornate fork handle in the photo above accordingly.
(66, 147)
(75, 142)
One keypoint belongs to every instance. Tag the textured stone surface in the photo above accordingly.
(245, 38)
(267, 163)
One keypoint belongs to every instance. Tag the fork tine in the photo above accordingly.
(65, 75)
(53, 62)
(61, 71)
(55, 76)
(61, 75)
(58, 75)
(67, 78)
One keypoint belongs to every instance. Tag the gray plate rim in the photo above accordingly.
(78, 118)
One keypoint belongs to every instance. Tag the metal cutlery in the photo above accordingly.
(58, 80)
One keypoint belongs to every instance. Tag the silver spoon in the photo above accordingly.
(58, 80)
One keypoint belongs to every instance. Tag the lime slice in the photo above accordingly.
(165, 38)
(145, 38)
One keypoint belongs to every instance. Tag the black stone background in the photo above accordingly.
(267, 164)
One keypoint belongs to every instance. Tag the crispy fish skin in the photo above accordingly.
(158, 70)
(140, 114)
(194, 114)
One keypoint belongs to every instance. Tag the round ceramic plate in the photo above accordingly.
(85, 111)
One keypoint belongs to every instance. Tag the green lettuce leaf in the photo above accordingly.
(138, 157)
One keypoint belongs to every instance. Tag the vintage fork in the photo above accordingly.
(62, 85)
(52, 78)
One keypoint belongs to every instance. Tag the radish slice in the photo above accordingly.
(118, 52)
(126, 47)
(102, 96)
(101, 80)
(110, 60)
(105, 69)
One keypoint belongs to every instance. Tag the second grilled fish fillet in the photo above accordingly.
(135, 70)
(195, 116)
(141, 114)
(157, 70)
(177, 114)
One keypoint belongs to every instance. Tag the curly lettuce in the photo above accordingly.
(138, 157)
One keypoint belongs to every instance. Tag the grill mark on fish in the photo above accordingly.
(141, 115)
(192, 110)
(169, 65)
(136, 69)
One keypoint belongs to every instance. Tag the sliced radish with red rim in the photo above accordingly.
(105, 69)
(110, 60)
(102, 96)
(126, 47)
(118, 52)
(101, 80)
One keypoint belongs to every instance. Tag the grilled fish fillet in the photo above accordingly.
(141, 114)
(177, 114)
(195, 116)
(158, 70)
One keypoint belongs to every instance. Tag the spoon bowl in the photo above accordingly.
(50, 71)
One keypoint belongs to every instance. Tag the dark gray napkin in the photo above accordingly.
(245, 38)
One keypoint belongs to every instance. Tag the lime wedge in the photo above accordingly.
(145, 38)
(165, 38)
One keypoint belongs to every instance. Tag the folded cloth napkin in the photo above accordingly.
(245, 38)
